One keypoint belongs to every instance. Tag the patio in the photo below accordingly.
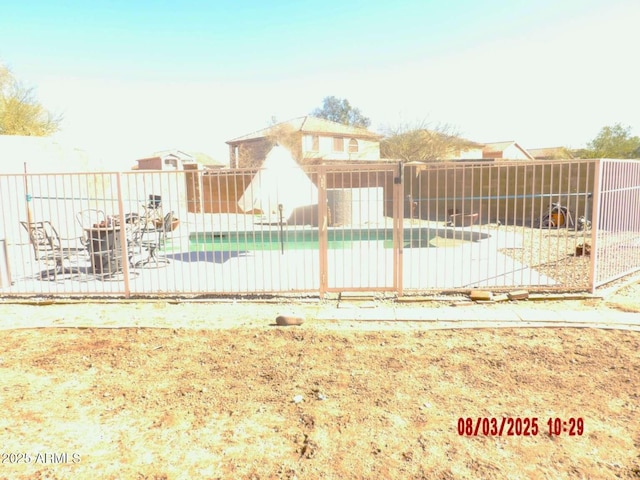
(365, 265)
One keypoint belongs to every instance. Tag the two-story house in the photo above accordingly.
(311, 140)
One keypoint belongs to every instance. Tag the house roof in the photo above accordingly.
(184, 156)
(310, 125)
(496, 149)
(170, 154)
(150, 158)
(206, 160)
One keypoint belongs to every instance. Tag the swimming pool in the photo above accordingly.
(338, 238)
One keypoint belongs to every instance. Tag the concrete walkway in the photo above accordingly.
(475, 316)
(320, 315)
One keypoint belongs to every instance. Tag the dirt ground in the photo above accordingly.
(243, 398)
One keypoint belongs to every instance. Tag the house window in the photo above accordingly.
(353, 146)
(315, 143)
(338, 144)
(171, 163)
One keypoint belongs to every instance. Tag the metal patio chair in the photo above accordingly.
(90, 217)
(87, 219)
(152, 239)
(48, 247)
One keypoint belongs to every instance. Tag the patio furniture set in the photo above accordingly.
(101, 246)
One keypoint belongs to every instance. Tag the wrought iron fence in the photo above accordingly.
(569, 226)
(499, 225)
(616, 240)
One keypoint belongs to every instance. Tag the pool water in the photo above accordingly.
(308, 239)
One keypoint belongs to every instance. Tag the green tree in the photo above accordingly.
(423, 142)
(614, 142)
(20, 112)
(340, 110)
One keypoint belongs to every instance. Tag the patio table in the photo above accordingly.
(105, 249)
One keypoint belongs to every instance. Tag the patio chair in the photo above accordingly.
(87, 219)
(152, 239)
(90, 217)
(48, 247)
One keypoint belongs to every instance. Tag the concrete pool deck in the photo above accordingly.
(365, 265)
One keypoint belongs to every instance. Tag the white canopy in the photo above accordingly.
(280, 181)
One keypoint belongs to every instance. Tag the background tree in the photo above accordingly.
(253, 154)
(613, 142)
(561, 153)
(20, 112)
(285, 135)
(340, 110)
(422, 142)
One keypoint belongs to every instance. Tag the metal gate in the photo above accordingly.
(361, 228)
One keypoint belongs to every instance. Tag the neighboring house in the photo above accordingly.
(166, 160)
(505, 150)
(550, 153)
(311, 140)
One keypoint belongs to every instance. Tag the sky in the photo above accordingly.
(134, 77)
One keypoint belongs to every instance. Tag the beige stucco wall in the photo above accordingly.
(367, 149)
(471, 154)
(252, 153)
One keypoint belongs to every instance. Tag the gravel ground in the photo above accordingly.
(553, 253)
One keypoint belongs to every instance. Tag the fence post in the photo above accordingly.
(323, 240)
(123, 238)
(27, 197)
(595, 223)
(398, 228)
